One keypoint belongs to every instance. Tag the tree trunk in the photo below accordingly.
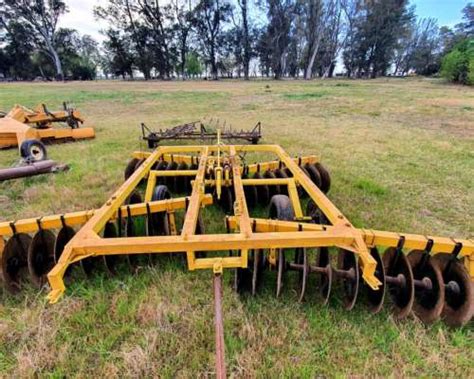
(309, 68)
(246, 40)
(56, 61)
(213, 62)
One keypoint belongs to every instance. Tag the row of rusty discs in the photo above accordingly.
(175, 184)
(430, 286)
(261, 195)
(28, 258)
(254, 195)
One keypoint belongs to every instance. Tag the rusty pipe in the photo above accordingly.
(219, 328)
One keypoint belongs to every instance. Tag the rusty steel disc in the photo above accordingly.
(130, 168)
(347, 261)
(161, 165)
(313, 174)
(65, 234)
(459, 293)
(257, 268)
(226, 201)
(15, 262)
(375, 298)
(325, 177)
(302, 258)
(396, 266)
(263, 192)
(135, 227)
(324, 279)
(317, 216)
(41, 256)
(111, 261)
(251, 196)
(280, 173)
(242, 280)
(429, 302)
(170, 181)
(182, 182)
(280, 272)
(274, 190)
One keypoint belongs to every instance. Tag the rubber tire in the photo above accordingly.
(27, 145)
(281, 208)
(159, 220)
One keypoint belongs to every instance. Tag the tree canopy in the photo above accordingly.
(234, 38)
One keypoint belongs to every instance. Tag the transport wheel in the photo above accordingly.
(429, 296)
(399, 278)
(349, 266)
(281, 209)
(33, 150)
(15, 262)
(263, 192)
(325, 177)
(375, 298)
(274, 190)
(313, 174)
(459, 297)
(41, 256)
(157, 223)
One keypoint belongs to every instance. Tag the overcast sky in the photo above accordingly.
(81, 18)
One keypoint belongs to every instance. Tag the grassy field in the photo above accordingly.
(401, 155)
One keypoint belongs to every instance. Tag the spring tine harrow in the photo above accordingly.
(431, 277)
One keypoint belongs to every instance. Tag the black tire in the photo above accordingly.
(33, 150)
(281, 208)
(159, 221)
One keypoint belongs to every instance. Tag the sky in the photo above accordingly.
(81, 18)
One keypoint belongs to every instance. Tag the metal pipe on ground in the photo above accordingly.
(36, 168)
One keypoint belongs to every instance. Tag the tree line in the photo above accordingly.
(234, 38)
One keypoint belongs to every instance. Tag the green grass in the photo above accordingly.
(401, 158)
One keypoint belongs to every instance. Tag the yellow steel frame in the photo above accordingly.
(248, 233)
